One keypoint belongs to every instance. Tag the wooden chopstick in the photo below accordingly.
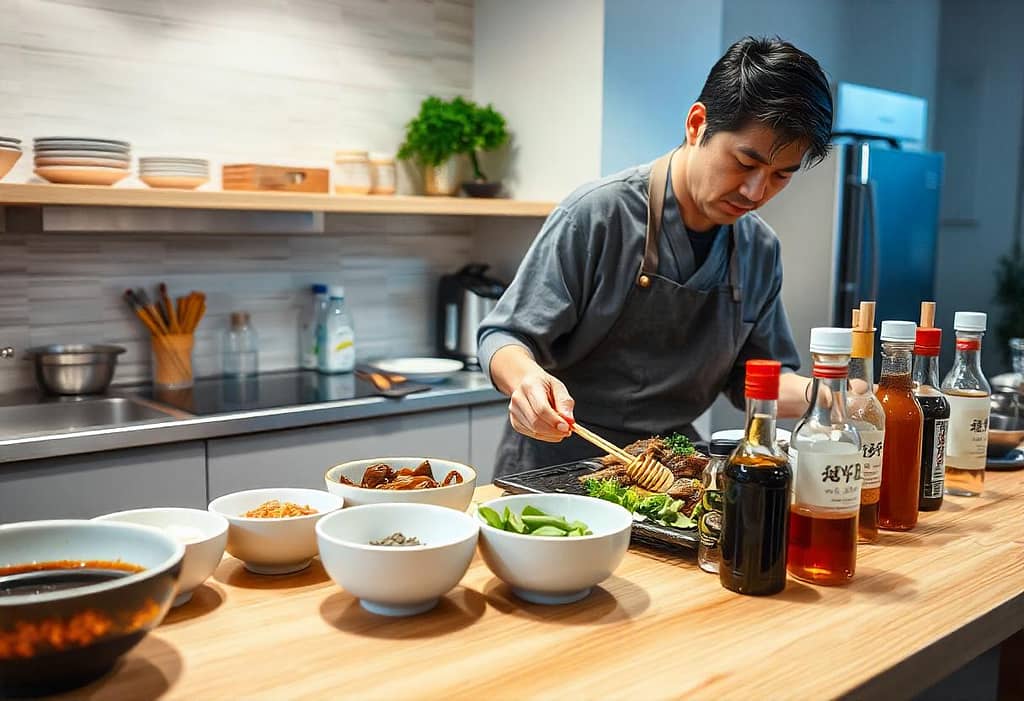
(172, 317)
(601, 443)
(927, 315)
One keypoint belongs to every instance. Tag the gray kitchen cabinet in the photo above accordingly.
(486, 425)
(83, 486)
(300, 457)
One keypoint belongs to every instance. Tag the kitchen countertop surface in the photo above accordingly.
(215, 407)
(922, 604)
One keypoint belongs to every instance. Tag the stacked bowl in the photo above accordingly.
(180, 173)
(10, 152)
(82, 161)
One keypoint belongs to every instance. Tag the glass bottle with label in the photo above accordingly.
(904, 424)
(709, 520)
(936, 417)
(825, 456)
(865, 412)
(308, 324)
(968, 392)
(756, 485)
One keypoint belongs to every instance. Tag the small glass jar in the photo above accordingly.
(708, 513)
(352, 173)
(384, 176)
(240, 347)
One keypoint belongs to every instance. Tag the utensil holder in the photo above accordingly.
(172, 360)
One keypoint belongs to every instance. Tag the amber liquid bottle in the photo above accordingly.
(968, 394)
(904, 425)
(756, 484)
(825, 457)
(868, 417)
(936, 418)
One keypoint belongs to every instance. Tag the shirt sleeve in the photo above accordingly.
(543, 303)
(771, 338)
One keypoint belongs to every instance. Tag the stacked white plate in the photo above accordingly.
(10, 152)
(74, 160)
(182, 173)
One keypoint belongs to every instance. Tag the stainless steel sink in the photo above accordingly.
(21, 420)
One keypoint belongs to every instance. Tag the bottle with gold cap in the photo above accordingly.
(866, 414)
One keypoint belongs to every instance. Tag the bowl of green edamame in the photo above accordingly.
(552, 548)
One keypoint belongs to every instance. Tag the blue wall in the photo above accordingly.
(657, 54)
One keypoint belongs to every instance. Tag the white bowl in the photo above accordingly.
(397, 580)
(553, 570)
(420, 369)
(203, 533)
(274, 545)
(454, 496)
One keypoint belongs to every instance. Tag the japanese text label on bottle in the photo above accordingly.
(967, 437)
(938, 477)
(871, 443)
(828, 477)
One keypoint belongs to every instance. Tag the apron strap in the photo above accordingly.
(655, 205)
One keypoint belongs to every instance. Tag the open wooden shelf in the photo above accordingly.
(46, 195)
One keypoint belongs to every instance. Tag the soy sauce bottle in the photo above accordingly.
(936, 418)
(756, 486)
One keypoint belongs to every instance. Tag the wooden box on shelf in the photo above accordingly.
(252, 176)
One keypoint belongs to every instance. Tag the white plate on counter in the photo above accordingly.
(420, 369)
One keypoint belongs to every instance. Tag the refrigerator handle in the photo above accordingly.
(872, 215)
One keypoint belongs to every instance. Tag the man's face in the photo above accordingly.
(735, 172)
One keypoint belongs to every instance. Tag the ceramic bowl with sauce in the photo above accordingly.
(454, 496)
(274, 545)
(75, 596)
(203, 533)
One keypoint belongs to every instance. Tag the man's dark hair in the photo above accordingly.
(770, 82)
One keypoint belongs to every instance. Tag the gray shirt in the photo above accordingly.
(573, 283)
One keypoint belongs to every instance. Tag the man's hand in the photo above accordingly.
(541, 407)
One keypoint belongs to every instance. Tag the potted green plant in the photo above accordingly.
(485, 131)
(433, 138)
(444, 129)
(1010, 296)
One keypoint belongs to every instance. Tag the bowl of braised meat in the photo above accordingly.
(404, 481)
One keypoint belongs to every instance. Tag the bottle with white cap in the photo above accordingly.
(968, 392)
(899, 496)
(336, 335)
(824, 454)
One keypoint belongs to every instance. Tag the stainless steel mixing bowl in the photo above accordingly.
(75, 368)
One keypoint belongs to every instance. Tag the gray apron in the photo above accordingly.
(663, 362)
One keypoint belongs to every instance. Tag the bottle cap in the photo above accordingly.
(722, 447)
(899, 331)
(239, 319)
(970, 321)
(833, 340)
(928, 341)
(319, 289)
(337, 291)
(762, 379)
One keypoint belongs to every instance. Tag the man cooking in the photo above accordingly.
(646, 291)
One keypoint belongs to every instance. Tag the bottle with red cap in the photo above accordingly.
(936, 417)
(825, 456)
(756, 485)
(968, 393)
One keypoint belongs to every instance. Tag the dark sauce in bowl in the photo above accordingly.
(45, 577)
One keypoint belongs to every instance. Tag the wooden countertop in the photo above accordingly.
(922, 604)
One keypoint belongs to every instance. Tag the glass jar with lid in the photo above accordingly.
(383, 174)
(352, 173)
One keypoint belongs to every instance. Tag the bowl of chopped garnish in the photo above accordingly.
(397, 559)
(272, 531)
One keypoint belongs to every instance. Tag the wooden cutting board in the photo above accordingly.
(254, 176)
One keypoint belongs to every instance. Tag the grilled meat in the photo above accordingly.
(681, 465)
